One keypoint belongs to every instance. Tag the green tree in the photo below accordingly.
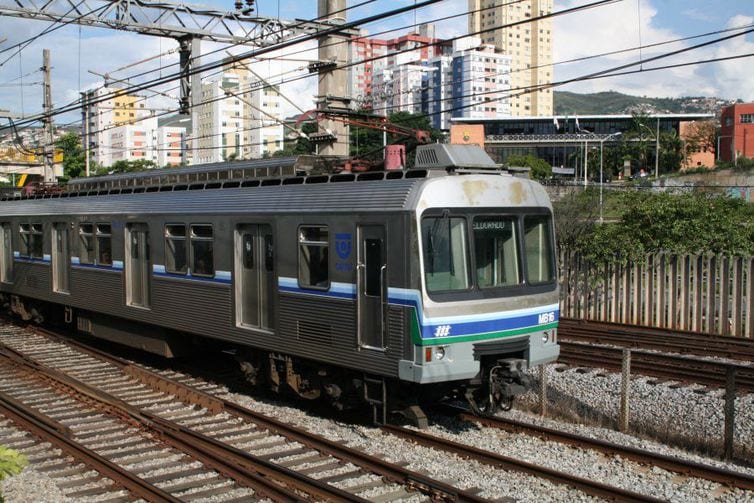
(540, 169)
(74, 156)
(695, 223)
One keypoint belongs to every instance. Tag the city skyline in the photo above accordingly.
(77, 51)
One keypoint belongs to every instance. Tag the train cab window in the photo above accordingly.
(313, 257)
(104, 244)
(446, 253)
(175, 249)
(86, 243)
(202, 253)
(495, 252)
(540, 257)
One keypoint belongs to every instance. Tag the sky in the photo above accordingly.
(622, 26)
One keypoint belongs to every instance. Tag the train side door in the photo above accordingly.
(137, 265)
(371, 288)
(254, 276)
(6, 254)
(61, 257)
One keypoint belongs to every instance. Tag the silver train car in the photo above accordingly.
(391, 288)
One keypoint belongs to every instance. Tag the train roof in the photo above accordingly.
(461, 176)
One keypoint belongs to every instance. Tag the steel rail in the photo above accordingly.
(58, 435)
(385, 469)
(497, 460)
(670, 463)
(263, 476)
(674, 341)
(680, 368)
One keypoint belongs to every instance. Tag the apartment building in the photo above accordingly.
(528, 44)
(130, 142)
(237, 118)
(107, 108)
(169, 146)
(399, 88)
(481, 81)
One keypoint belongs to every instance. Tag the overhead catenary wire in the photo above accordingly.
(607, 75)
(246, 55)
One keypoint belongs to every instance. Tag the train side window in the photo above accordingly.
(175, 249)
(25, 233)
(313, 257)
(104, 244)
(86, 243)
(36, 243)
(202, 253)
(540, 257)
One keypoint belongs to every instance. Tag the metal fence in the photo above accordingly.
(710, 294)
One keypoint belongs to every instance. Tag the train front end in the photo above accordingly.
(488, 304)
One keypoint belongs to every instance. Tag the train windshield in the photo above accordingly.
(445, 253)
(487, 252)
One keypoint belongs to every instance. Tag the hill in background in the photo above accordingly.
(611, 102)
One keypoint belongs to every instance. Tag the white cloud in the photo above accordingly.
(617, 27)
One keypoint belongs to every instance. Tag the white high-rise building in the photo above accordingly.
(117, 108)
(481, 81)
(399, 89)
(474, 82)
(238, 118)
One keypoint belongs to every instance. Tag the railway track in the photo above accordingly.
(644, 457)
(672, 341)
(191, 406)
(663, 366)
(591, 487)
(206, 429)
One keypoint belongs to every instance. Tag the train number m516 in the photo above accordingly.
(547, 317)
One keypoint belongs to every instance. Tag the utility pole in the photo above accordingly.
(333, 55)
(86, 141)
(49, 137)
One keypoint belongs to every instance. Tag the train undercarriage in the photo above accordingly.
(499, 381)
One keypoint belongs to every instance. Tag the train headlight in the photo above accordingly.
(439, 352)
(550, 336)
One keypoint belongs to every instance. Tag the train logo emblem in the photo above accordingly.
(442, 331)
(343, 245)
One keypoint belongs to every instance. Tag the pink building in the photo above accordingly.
(412, 48)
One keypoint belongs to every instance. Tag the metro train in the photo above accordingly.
(392, 288)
